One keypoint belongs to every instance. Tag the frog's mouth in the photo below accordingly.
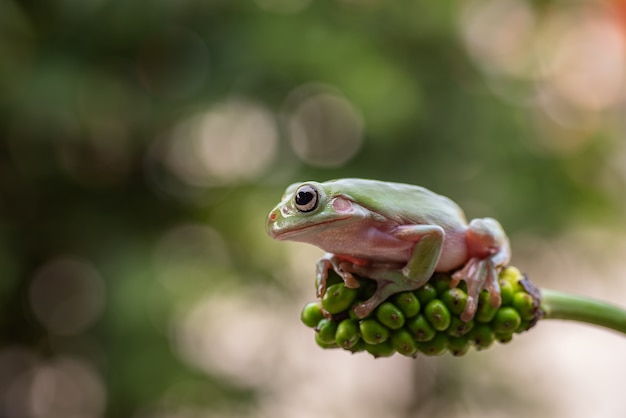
(277, 233)
(343, 210)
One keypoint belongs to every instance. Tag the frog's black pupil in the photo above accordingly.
(304, 197)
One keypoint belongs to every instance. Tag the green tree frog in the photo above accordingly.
(396, 234)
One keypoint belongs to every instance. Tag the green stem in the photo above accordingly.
(558, 305)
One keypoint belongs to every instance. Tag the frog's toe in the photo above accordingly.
(350, 281)
(364, 309)
(321, 289)
(321, 276)
(320, 284)
(479, 274)
(494, 290)
(470, 309)
(385, 288)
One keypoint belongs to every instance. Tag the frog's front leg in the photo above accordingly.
(489, 251)
(337, 263)
(418, 270)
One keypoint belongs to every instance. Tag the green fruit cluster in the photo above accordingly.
(426, 320)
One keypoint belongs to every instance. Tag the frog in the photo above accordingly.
(396, 234)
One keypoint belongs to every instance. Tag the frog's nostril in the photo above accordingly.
(272, 217)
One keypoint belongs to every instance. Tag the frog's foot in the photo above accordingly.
(389, 282)
(331, 261)
(384, 289)
(479, 274)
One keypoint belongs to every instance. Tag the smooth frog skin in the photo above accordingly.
(396, 234)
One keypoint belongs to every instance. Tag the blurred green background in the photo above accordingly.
(142, 145)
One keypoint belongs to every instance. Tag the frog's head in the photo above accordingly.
(308, 209)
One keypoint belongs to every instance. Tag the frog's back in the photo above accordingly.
(403, 203)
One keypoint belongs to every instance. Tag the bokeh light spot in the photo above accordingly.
(67, 295)
(66, 388)
(587, 63)
(232, 142)
(499, 35)
(325, 130)
(15, 364)
(59, 388)
(567, 65)
(221, 335)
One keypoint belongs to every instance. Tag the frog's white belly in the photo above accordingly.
(377, 245)
(366, 243)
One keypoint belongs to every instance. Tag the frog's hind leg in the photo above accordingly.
(479, 274)
(490, 251)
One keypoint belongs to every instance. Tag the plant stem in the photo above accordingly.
(558, 305)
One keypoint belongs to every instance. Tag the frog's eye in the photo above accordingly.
(306, 198)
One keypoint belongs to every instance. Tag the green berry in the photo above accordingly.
(423, 320)
(455, 300)
(338, 298)
(503, 338)
(485, 311)
(402, 341)
(347, 334)
(437, 314)
(408, 303)
(458, 327)
(441, 282)
(525, 305)
(390, 315)
(506, 292)
(435, 347)
(324, 344)
(384, 349)
(358, 346)
(481, 335)
(426, 293)
(511, 274)
(507, 320)
(458, 346)
(373, 332)
(311, 314)
(420, 328)
(524, 326)
(326, 330)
